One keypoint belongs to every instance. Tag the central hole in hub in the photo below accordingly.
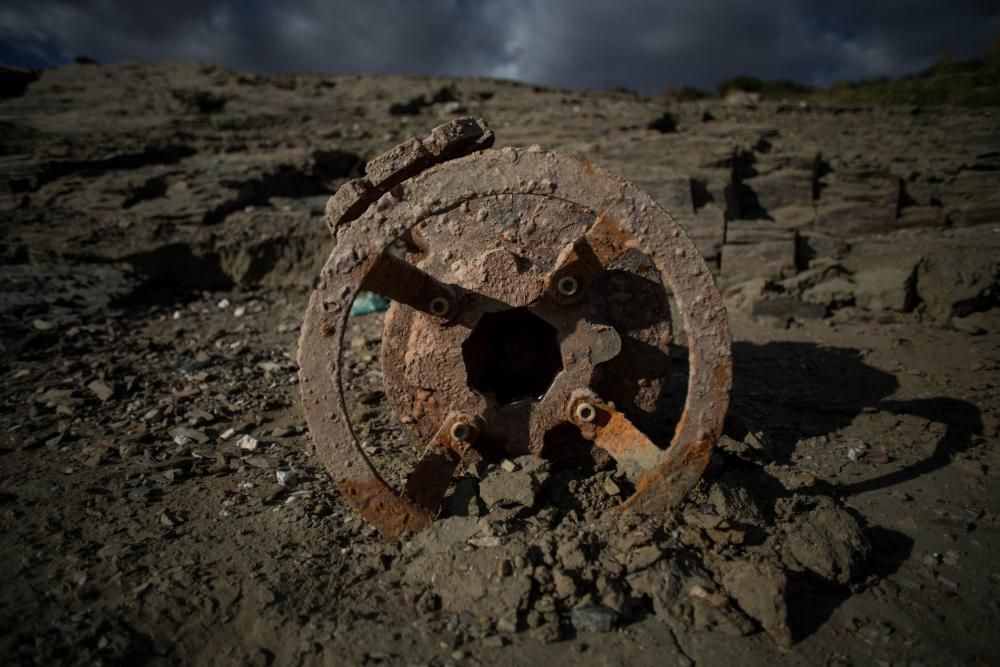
(513, 355)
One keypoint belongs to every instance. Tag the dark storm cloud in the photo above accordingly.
(640, 44)
(373, 36)
(646, 44)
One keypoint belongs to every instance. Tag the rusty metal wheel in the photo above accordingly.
(533, 296)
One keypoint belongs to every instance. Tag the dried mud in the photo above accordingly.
(162, 228)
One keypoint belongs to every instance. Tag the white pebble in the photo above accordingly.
(248, 442)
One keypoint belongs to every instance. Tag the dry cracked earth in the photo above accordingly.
(159, 497)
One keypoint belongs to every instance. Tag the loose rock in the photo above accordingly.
(827, 541)
(592, 618)
(248, 443)
(759, 589)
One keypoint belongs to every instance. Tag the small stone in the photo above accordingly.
(611, 487)
(184, 435)
(240, 311)
(286, 478)
(101, 389)
(546, 633)
(271, 493)
(488, 542)
(508, 466)
(643, 557)
(248, 443)
(565, 585)
(197, 416)
(592, 618)
(970, 324)
(479, 469)
(891, 288)
(760, 589)
(517, 488)
(827, 541)
(223, 304)
(494, 641)
(571, 555)
(950, 557)
(265, 462)
(228, 433)
(42, 325)
(508, 624)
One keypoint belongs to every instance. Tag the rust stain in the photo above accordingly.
(608, 239)
(620, 438)
(383, 508)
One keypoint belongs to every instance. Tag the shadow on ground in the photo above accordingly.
(789, 391)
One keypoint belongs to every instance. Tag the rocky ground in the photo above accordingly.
(159, 498)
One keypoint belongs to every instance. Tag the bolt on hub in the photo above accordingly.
(534, 295)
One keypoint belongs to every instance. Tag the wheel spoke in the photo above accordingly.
(580, 261)
(613, 432)
(397, 279)
(429, 481)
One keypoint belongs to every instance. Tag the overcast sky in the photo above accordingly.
(640, 44)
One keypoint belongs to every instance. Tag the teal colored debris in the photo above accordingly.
(369, 302)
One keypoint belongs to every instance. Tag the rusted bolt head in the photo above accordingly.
(439, 306)
(461, 431)
(567, 285)
(585, 412)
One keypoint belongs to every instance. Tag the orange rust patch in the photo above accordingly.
(392, 515)
(723, 374)
(607, 238)
(620, 438)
